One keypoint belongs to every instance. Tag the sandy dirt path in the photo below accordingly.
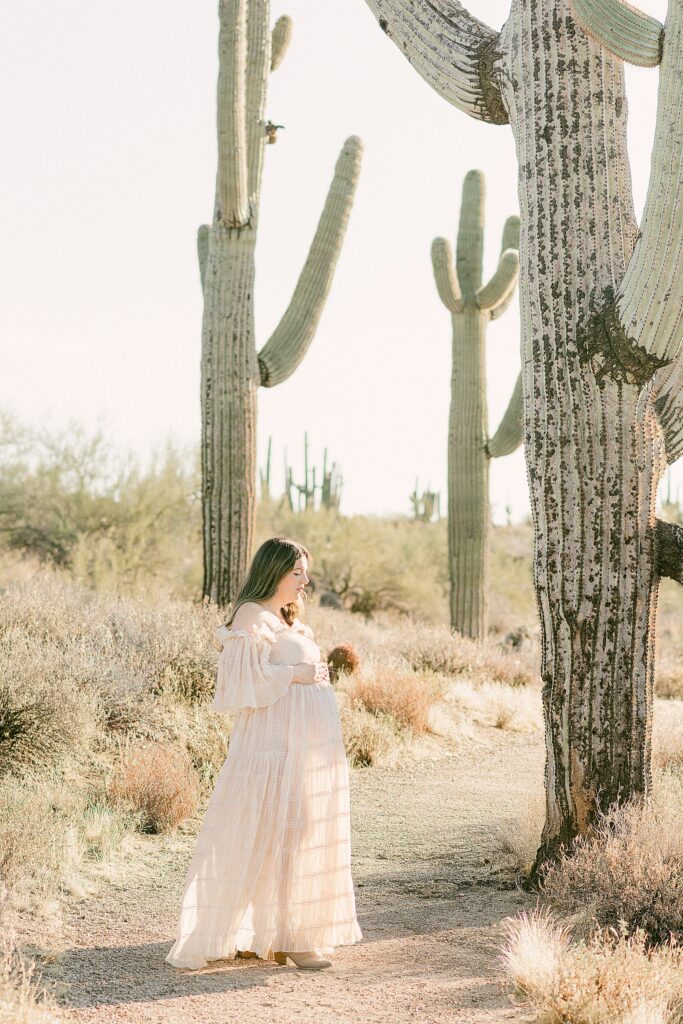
(425, 839)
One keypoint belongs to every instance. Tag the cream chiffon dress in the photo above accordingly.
(271, 869)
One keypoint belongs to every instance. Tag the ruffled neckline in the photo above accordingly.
(263, 631)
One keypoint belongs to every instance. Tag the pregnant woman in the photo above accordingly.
(271, 871)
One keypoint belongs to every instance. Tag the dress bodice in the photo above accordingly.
(294, 644)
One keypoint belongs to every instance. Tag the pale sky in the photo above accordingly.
(107, 169)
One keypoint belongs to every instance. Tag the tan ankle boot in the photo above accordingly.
(308, 961)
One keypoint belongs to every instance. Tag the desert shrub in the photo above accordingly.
(372, 564)
(515, 709)
(71, 500)
(23, 999)
(630, 870)
(667, 748)
(613, 978)
(159, 784)
(105, 647)
(406, 697)
(520, 836)
(368, 738)
(343, 658)
(436, 649)
(33, 839)
(669, 681)
(43, 715)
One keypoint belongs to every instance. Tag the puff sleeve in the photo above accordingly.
(245, 678)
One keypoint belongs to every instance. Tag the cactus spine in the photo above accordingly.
(472, 305)
(232, 370)
(602, 325)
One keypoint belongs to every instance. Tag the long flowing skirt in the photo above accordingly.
(272, 866)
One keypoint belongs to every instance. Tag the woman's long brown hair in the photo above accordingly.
(273, 560)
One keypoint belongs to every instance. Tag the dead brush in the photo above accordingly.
(342, 658)
(436, 649)
(405, 696)
(630, 870)
(158, 783)
(613, 978)
(368, 738)
(23, 1000)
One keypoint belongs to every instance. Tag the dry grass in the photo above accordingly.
(405, 696)
(159, 784)
(436, 649)
(516, 709)
(23, 999)
(630, 870)
(520, 837)
(368, 738)
(611, 979)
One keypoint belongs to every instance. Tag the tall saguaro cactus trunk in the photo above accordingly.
(602, 323)
(472, 305)
(232, 368)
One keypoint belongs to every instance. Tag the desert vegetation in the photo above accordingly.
(105, 728)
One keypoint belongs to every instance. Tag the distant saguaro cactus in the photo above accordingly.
(472, 305)
(232, 370)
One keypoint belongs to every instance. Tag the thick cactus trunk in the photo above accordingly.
(229, 382)
(468, 474)
(232, 370)
(601, 317)
(591, 438)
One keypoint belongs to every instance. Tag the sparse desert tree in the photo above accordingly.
(232, 369)
(472, 305)
(602, 322)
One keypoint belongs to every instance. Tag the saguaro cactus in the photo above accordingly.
(472, 304)
(602, 323)
(231, 368)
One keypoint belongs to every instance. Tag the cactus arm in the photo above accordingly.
(232, 130)
(469, 250)
(669, 408)
(510, 240)
(498, 292)
(289, 342)
(669, 540)
(623, 30)
(452, 50)
(202, 251)
(259, 58)
(282, 36)
(645, 323)
(445, 275)
(508, 437)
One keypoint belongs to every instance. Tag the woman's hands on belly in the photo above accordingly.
(307, 674)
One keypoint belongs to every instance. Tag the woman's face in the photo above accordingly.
(292, 585)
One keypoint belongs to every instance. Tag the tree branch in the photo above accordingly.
(452, 50)
(289, 342)
(232, 132)
(669, 541)
(445, 275)
(508, 437)
(623, 30)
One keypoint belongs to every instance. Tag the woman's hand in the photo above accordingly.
(307, 674)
